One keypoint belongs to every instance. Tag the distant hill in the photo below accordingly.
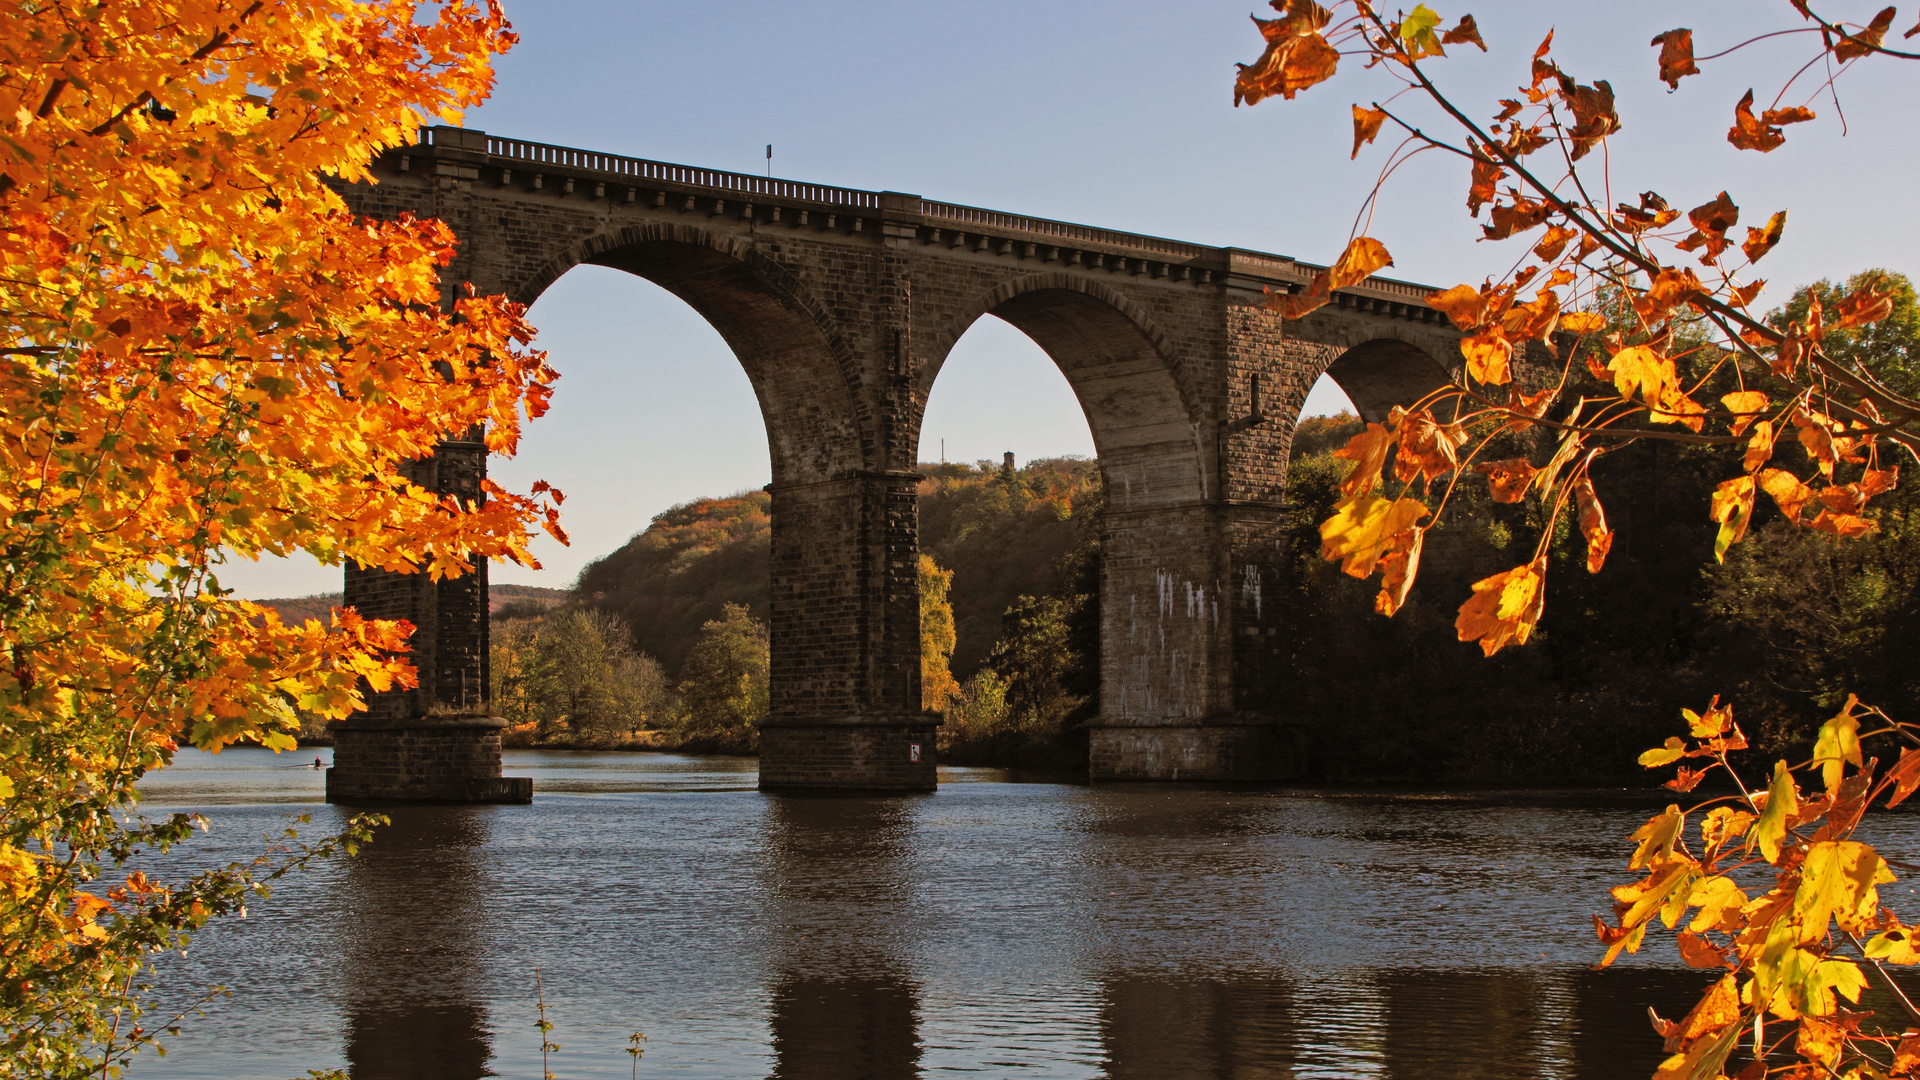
(690, 563)
(1002, 534)
(319, 605)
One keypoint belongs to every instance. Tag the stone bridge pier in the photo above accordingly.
(841, 306)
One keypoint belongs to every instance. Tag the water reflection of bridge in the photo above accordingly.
(1106, 956)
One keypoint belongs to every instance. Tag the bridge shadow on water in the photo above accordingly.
(847, 935)
(413, 1008)
(866, 975)
(843, 1004)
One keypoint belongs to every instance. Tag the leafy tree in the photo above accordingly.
(204, 356)
(1315, 435)
(936, 636)
(1889, 348)
(1815, 935)
(723, 686)
(973, 725)
(1004, 534)
(1037, 660)
(574, 676)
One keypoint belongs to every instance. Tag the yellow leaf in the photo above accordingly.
(1894, 947)
(1362, 529)
(1837, 745)
(1787, 491)
(1719, 900)
(1417, 33)
(1771, 827)
(1463, 304)
(1732, 507)
(1706, 1053)
(1831, 977)
(1657, 836)
(1837, 882)
(1717, 719)
(1357, 263)
(1759, 448)
(1820, 1040)
(1748, 404)
(1368, 452)
(1724, 823)
(1504, 607)
(1638, 371)
(1397, 570)
(1366, 126)
(1489, 356)
(1665, 890)
(1664, 755)
(1582, 322)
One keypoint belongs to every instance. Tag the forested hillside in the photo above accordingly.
(508, 598)
(693, 561)
(1002, 534)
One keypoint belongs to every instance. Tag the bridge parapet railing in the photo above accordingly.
(1061, 230)
(630, 168)
(522, 152)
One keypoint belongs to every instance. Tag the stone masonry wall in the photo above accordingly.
(842, 307)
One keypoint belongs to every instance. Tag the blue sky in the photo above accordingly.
(1117, 114)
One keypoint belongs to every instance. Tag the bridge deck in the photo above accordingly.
(592, 165)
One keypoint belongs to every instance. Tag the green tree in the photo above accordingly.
(974, 721)
(587, 680)
(575, 676)
(723, 685)
(1050, 681)
(1890, 348)
(1003, 536)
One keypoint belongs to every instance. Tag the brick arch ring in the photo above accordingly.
(777, 277)
(956, 326)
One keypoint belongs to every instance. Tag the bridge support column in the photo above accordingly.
(1189, 666)
(1229, 747)
(850, 754)
(439, 759)
(439, 742)
(845, 709)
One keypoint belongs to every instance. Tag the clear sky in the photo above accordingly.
(1117, 114)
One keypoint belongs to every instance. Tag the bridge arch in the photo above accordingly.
(1123, 370)
(802, 370)
(1380, 373)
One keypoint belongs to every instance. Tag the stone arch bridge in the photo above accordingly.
(842, 305)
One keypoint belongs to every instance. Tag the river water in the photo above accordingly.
(992, 929)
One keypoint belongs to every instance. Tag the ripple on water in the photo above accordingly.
(993, 928)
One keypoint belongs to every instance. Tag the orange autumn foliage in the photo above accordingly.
(1621, 259)
(1775, 890)
(206, 358)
